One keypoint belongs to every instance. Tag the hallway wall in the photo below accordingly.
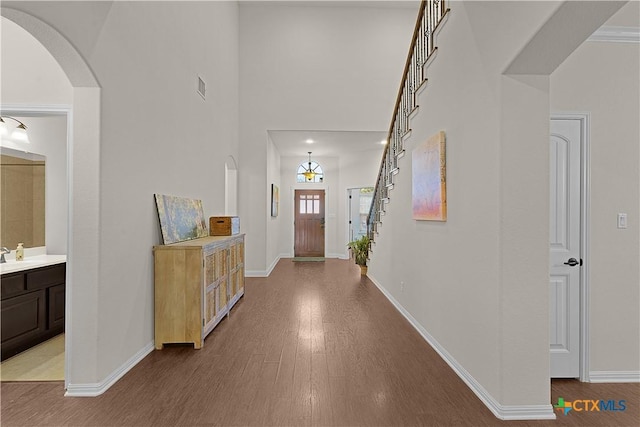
(357, 170)
(348, 170)
(330, 184)
(325, 68)
(448, 275)
(609, 89)
(157, 136)
(477, 285)
(274, 224)
(311, 67)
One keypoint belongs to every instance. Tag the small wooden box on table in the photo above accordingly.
(224, 225)
(196, 284)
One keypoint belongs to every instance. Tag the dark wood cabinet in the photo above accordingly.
(31, 307)
(12, 284)
(56, 298)
(23, 318)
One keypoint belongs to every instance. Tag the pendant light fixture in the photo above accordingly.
(309, 174)
(19, 133)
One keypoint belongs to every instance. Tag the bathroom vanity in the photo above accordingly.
(32, 300)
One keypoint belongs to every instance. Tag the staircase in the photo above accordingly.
(422, 50)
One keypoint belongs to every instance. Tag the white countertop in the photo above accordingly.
(29, 262)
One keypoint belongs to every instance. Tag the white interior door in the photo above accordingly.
(565, 262)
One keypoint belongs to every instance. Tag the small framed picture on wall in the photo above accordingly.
(275, 200)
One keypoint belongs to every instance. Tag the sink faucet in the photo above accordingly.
(3, 251)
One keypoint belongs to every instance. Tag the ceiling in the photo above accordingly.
(627, 16)
(383, 4)
(325, 143)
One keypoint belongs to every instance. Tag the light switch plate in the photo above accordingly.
(622, 220)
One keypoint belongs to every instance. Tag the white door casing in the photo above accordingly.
(354, 213)
(565, 247)
(359, 203)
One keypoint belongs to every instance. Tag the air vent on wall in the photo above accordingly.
(201, 87)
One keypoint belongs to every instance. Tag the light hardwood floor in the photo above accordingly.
(313, 344)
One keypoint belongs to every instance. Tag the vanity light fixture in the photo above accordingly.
(19, 133)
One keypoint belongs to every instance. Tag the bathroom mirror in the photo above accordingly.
(22, 199)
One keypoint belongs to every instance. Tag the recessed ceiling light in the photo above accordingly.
(309, 141)
(383, 142)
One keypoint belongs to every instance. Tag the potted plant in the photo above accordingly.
(360, 250)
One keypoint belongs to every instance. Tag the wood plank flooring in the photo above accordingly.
(312, 345)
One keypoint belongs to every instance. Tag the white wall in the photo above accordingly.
(328, 67)
(30, 77)
(477, 310)
(473, 283)
(330, 184)
(50, 135)
(351, 169)
(273, 223)
(157, 136)
(602, 79)
(348, 170)
(450, 270)
(357, 170)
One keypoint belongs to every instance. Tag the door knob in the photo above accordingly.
(573, 262)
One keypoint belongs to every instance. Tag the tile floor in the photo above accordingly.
(44, 362)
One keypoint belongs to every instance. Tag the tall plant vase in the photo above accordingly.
(360, 250)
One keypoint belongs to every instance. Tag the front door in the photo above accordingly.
(565, 242)
(309, 223)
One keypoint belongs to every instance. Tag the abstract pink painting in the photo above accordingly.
(429, 193)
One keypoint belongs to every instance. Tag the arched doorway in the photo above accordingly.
(83, 160)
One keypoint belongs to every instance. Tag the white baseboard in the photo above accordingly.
(96, 389)
(524, 412)
(267, 272)
(614, 376)
(336, 255)
(520, 412)
(255, 273)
